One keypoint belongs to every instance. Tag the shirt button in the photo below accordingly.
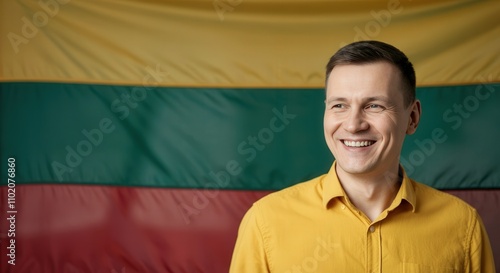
(372, 229)
(342, 207)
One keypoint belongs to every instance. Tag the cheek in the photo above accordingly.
(394, 128)
(329, 124)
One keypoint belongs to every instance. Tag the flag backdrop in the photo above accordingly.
(137, 133)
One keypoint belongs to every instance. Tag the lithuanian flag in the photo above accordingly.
(135, 134)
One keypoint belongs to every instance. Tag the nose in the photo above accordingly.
(355, 121)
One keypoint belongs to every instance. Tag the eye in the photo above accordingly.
(338, 106)
(374, 108)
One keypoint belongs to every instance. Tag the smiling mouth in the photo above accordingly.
(364, 143)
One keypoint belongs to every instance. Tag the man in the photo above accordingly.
(365, 215)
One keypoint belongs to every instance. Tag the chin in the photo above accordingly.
(354, 167)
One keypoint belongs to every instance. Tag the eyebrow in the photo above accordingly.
(335, 99)
(368, 99)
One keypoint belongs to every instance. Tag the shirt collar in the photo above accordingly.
(331, 186)
(333, 189)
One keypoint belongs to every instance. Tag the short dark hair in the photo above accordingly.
(375, 51)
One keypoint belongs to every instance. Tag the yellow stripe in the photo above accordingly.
(232, 43)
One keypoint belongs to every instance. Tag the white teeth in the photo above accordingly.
(358, 143)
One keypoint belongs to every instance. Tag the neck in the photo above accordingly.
(371, 194)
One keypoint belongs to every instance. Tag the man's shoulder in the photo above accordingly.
(431, 198)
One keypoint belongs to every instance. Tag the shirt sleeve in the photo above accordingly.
(480, 254)
(249, 254)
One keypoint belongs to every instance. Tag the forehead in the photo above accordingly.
(365, 80)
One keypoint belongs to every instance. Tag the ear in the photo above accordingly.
(416, 112)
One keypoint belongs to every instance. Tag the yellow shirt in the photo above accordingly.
(313, 227)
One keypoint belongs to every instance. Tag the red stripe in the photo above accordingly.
(65, 228)
(74, 228)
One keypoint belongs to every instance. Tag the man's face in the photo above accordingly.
(366, 119)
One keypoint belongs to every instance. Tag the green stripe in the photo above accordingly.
(178, 137)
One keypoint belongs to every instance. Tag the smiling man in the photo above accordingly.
(365, 215)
